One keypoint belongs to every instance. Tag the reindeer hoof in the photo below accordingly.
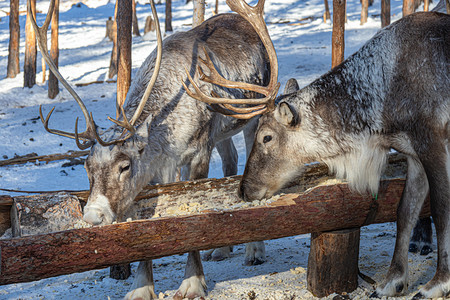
(418, 296)
(254, 262)
(426, 250)
(413, 248)
(375, 295)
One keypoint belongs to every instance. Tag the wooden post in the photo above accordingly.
(113, 61)
(29, 67)
(53, 88)
(338, 43)
(385, 13)
(168, 25)
(14, 38)
(124, 23)
(333, 258)
(110, 29)
(364, 11)
(216, 9)
(135, 21)
(124, 26)
(149, 25)
(408, 7)
(326, 14)
(199, 12)
(333, 262)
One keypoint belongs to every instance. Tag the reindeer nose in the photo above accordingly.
(93, 216)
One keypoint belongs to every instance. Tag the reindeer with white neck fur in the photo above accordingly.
(394, 93)
(161, 129)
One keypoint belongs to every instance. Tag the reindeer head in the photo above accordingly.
(115, 166)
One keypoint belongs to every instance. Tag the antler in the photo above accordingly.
(41, 35)
(254, 15)
(90, 134)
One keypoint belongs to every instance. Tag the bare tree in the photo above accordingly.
(29, 67)
(199, 12)
(135, 21)
(364, 11)
(408, 7)
(338, 43)
(168, 26)
(326, 14)
(14, 37)
(53, 88)
(113, 61)
(124, 24)
(385, 13)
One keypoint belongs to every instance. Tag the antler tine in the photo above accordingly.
(254, 15)
(199, 95)
(152, 81)
(218, 79)
(41, 34)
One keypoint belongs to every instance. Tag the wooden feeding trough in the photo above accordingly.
(185, 216)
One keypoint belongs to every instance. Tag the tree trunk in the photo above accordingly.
(364, 11)
(426, 5)
(168, 24)
(135, 21)
(14, 40)
(29, 67)
(5, 213)
(326, 14)
(338, 43)
(333, 262)
(199, 12)
(149, 25)
(385, 13)
(113, 62)
(216, 9)
(53, 88)
(110, 29)
(408, 7)
(124, 21)
(46, 214)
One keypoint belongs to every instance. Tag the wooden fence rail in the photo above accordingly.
(322, 208)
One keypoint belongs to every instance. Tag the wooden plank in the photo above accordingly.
(322, 208)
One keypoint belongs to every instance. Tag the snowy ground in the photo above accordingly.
(304, 53)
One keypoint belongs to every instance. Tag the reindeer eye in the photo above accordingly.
(125, 168)
(267, 139)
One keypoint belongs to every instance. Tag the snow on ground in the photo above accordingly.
(304, 53)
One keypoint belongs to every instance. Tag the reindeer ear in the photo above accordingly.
(144, 129)
(291, 86)
(286, 114)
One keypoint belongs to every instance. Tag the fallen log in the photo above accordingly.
(33, 157)
(321, 208)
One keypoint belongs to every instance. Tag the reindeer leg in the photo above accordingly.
(437, 168)
(414, 194)
(255, 252)
(194, 284)
(143, 287)
(229, 157)
(422, 237)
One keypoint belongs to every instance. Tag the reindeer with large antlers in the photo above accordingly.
(162, 129)
(394, 93)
